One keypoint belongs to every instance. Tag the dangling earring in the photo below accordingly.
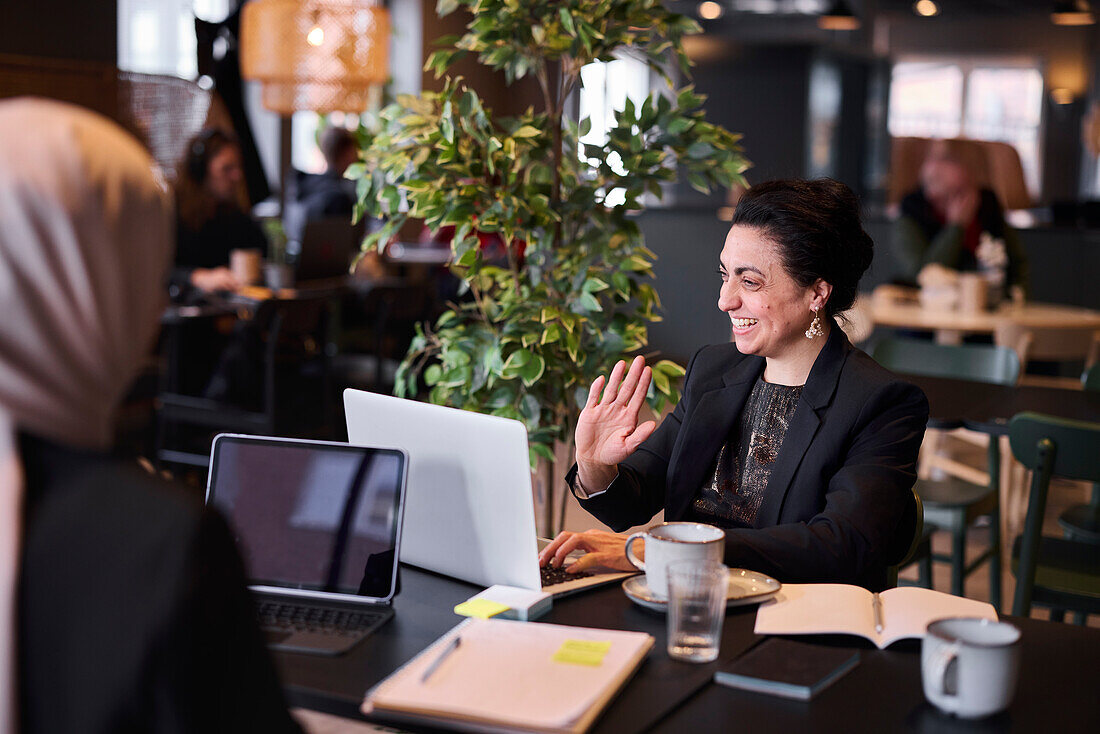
(815, 326)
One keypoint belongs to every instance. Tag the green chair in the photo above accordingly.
(1054, 572)
(954, 504)
(1091, 378)
(916, 548)
(1082, 522)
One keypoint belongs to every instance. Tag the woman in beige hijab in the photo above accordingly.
(122, 604)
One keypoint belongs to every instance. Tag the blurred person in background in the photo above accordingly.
(123, 604)
(212, 216)
(326, 195)
(952, 222)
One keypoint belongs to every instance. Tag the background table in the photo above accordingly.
(950, 325)
(988, 408)
(1058, 682)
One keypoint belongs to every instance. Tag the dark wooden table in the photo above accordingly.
(988, 408)
(1058, 683)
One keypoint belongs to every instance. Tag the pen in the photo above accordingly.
(451, 647)
(876, 605)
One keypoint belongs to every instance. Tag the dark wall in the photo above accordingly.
(1063, 266)
(85, 30)
(760, 92)
(687, 244)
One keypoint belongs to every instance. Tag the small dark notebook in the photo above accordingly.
(788, 668)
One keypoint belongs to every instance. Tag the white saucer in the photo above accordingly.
(745, 587)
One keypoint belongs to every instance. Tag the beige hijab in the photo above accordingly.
(85, 242)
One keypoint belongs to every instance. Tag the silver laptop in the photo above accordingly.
(318, 525)
(469, 511)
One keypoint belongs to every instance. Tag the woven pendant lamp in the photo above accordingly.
(319, 55)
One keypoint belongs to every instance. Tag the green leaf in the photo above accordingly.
(680, 125)
(527, 131)
(533, 370)
(567, 21)
(669, 368)
(540, 450)
(698, 182)
(699, 149)
(660, 381)
(445, 7)
(530, 409)
(432, 374)
(589, 302)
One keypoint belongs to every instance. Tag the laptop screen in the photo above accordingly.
(311, 516)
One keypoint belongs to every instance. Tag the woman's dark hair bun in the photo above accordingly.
(818, 229)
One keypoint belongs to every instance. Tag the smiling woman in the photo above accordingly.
(795, 442)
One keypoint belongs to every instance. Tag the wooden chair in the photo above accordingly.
(1050, 344)
(1006, 175)
(1082, 522)
(1055, 572)
(917, 549)
(953, 504)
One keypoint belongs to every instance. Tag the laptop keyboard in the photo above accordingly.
(551, 576)
(297, 618)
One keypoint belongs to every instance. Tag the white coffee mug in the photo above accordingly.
(969, 665)
(674, 541)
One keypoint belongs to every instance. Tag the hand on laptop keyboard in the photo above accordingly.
(601, 548)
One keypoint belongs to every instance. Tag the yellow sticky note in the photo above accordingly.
(481, 608)
(582, 652)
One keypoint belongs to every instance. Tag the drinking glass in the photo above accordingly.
(696, 607)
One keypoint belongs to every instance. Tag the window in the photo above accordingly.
(158, 36)
(606, 85)
(976, 99)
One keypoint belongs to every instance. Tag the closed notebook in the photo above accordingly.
(511, 676)
(788, 668)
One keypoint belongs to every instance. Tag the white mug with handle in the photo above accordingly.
(969, 665)
(670, 542)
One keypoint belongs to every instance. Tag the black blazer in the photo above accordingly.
(839, 490)
(133, 614)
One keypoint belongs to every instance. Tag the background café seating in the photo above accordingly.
(1082, 522)
(992, 165)
(954, 503)
(1072, 344)
(288, 366)
(1059, 573)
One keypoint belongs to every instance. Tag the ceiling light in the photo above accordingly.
(1074, 12)
(1061, 95)
(926, 8)
(710, 10)
(839, 17)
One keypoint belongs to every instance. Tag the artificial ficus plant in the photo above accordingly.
(572, 291)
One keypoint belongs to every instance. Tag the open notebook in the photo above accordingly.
(814, 609)
(511, 676)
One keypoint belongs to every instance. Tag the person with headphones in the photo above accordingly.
(212, 218)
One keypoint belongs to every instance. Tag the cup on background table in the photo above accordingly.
(972, 292)
(670, 542)
(245, 265)
(696, 608)
(969, 666)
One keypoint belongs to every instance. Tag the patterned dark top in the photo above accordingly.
(740, 477)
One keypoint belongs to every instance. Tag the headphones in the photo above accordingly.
(199, 152)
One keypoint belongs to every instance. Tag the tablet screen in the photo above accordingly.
(311, 516)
